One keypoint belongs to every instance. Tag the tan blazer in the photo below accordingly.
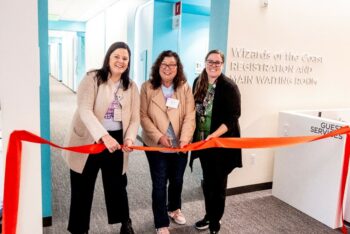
(156, 117)
(93, 102)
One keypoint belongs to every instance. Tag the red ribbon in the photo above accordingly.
(14, 156)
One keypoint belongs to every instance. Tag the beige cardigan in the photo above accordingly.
(155, 116)
(93, 102)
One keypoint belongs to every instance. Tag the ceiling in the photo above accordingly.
(77, 10)
(83, 10)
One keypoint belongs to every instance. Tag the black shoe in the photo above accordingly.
(202, 224)
(214, 227)
(126, 228)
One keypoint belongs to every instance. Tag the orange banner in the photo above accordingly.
(14, 156)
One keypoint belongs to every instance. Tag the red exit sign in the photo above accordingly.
(177, 10)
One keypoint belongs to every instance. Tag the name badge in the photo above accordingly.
(172, 103)
(117, 115)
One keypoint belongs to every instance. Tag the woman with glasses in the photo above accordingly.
(168, 120)
(108, 112)
(218, 107)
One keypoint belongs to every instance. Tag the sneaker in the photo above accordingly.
(177, 216)
(202, 224)
(163, 230)
(214, 228)
(126, 228)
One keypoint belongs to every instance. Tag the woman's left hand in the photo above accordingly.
(209, 137)
(218, 132)
(183, 144)
(126, 144)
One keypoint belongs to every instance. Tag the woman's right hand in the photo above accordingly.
(165, 141)
(110, 143)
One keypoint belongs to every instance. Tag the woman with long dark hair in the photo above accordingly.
(218, 107)
(167, 120)
(108, 113)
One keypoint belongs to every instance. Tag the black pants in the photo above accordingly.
(114, 184)
(166, 167)
(214, 190)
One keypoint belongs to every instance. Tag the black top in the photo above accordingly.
(226, 110)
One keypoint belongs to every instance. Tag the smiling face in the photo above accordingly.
(168, 70)
(214, 65)
(118, 61)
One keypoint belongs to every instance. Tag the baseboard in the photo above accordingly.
(47, 221)
(248, 188)
(346, 223)
(347, 226)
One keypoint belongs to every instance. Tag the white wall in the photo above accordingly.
(111, 25)
(95, 42)
(104, 29)
(68, 42)
(116, 23)
(19, 98)
(68, 58)
(54, 60)
(301, 28)
(143, 42)
(2, 157)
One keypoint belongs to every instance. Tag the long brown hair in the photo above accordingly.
(203, 82)
(155, 78)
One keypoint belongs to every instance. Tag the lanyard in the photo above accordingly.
(201, 108)
(116, 98)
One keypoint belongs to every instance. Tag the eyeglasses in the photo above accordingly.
(169, 66)
(214, 63)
